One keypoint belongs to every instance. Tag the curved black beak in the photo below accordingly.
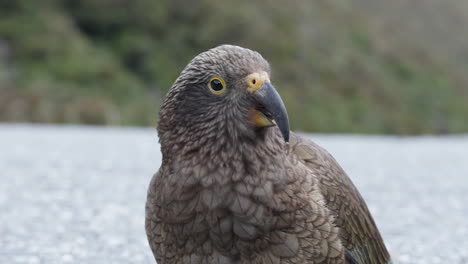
(272, 106)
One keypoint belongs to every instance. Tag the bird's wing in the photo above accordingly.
(358, 231)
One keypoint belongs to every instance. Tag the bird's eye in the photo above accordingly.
(217, 85)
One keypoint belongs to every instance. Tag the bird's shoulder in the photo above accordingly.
(358, 231)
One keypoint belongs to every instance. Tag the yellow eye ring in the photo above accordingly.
(217, 85)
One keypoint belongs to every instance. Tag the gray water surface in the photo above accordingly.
(71, 194)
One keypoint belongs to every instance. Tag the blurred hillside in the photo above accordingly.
(341, 66)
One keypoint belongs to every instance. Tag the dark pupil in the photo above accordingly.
(216, 85)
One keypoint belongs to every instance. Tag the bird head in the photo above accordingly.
(225, 92)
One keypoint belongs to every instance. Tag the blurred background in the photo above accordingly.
(358, 66)
(76, 194)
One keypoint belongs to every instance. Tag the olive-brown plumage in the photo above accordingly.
(236, 187)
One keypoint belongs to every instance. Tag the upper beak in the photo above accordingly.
(271, 105)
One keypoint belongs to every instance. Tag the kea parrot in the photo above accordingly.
(236, 186)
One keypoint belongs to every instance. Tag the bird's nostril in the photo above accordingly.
(255, 80)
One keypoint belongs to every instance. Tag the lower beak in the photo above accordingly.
(271, 110)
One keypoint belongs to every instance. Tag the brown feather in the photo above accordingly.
(358, 230)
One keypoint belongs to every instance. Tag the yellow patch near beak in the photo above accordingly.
(260, 120)
(254, 81)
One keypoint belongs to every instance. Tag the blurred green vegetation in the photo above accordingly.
(341, 66)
